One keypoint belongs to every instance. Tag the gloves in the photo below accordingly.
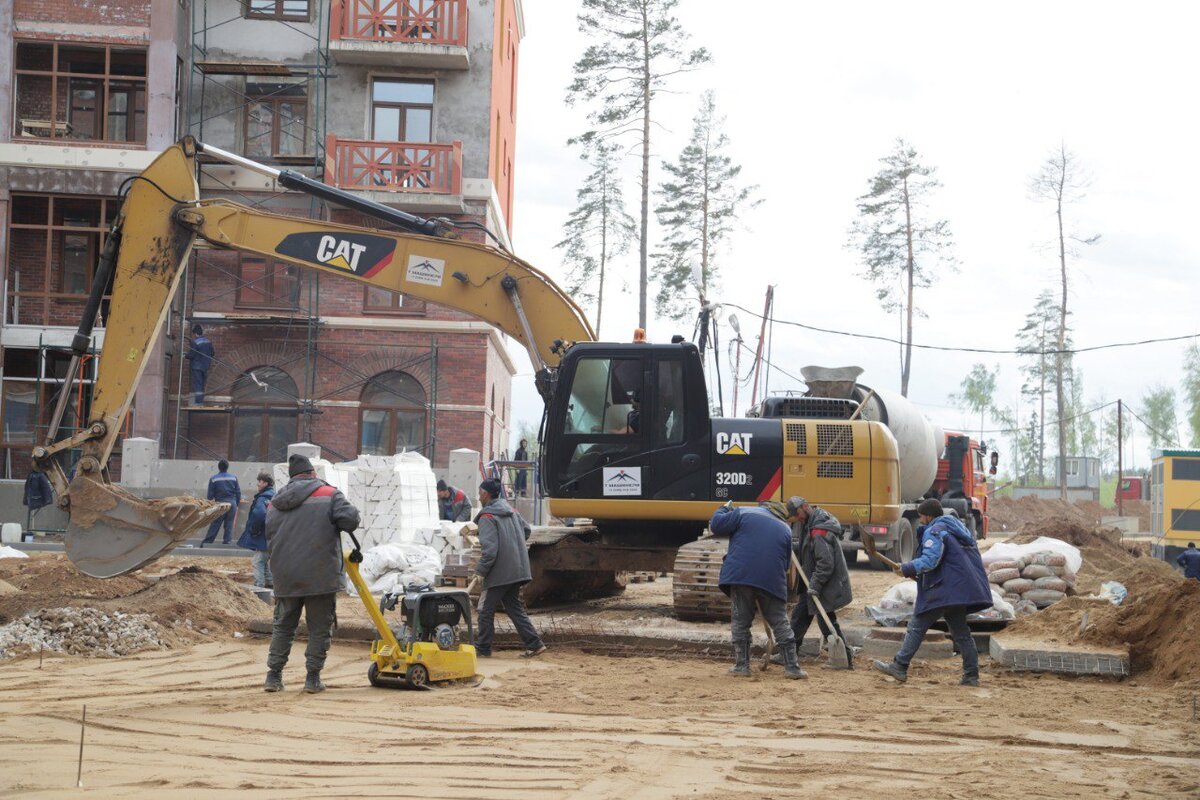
(896, 568)
(814, 592)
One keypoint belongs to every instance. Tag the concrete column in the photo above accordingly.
(161, 79)
(7, 52)
(463, 472)
(139, 458)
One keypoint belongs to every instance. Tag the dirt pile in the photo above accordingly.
(194, 598)
(1158, 621)
(80, 632)
(1011, 514)
(53, 582)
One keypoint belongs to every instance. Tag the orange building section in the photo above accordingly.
(506, 38)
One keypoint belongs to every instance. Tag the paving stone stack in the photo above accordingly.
(1033, 581)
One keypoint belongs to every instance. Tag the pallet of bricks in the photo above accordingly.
(1032, 581)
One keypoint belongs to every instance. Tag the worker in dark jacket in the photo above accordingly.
(200, 356)
(816, 540)
(38, 493)
(754, 575)
(522, 480)
(951, 583)
(223, 487)
(304, 521)
(254, 537)
(453, 503)
(503, 569)
(1190, 561)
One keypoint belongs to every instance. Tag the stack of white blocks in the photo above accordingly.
(396, 495)
(448, 539)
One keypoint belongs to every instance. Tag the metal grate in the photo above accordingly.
(797, 432)
(835, 469)
(835, 440)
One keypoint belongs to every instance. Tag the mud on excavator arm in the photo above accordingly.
(111, 531)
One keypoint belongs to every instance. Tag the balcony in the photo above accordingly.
(419, 176)
(428, 34)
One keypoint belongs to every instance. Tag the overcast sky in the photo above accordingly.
(816, 93)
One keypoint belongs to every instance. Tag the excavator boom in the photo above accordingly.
(111, 531)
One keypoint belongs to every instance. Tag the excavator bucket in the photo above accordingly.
(113, 532)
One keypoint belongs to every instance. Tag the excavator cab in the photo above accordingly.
(628, 422)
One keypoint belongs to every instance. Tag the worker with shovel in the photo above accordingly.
(754, 575)
(817, 544)
(951, 583)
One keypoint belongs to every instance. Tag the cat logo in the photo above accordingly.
(733, 444)
(359, 253)
(339, 253)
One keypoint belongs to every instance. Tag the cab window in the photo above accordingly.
(605, 397)
(669, 424)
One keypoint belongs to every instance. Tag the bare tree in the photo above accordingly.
(597, 230)
(638, 47)
(1062, 180)
(897, 241)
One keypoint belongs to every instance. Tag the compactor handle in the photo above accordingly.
(356, 556)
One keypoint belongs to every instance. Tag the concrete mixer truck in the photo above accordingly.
(933, 462)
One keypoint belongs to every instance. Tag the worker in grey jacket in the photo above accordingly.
(503, 568)
(305, 547)
(818, 547)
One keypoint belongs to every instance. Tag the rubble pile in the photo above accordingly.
(80, 632)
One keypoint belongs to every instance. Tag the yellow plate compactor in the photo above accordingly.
(427, 651)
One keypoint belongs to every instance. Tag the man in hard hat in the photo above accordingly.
(951, 583)
(754, 575)
(816, 541)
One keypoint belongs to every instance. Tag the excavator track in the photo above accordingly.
(697, 568)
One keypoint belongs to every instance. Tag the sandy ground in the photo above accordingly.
(194, 722)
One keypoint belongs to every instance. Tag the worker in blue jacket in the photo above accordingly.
(754, 575)
(1190, 561)
(254, 537)
(951, 583)
(200, 356)
(223, 487)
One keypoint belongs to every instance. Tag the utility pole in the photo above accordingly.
(762, 335)
(1120, 462)
(737, 358)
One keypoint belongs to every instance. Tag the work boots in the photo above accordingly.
(969, 680)
(274, 682)
(312, 684)
(891, 668)
(741, 654)
(791, 665)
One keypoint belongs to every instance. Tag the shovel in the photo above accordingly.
(839, 653)
(869, 545)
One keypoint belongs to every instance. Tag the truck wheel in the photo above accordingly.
(902, 550)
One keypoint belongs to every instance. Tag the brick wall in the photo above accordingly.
(84, 12)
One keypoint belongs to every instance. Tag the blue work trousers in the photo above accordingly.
(956, 620)
(227, 521)
(199, 378)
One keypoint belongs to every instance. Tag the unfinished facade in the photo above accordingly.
(410, 102)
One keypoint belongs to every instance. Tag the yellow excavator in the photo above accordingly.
(628, 442)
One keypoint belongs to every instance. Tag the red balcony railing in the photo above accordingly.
(402, 21)
(394, 166)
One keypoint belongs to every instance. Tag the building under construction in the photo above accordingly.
(411, 102)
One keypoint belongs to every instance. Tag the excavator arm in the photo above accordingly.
(111, 531)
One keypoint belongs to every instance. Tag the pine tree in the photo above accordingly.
(1061, 180)
(1038, 338)
(638, 47)
(597, 230)
(898, 244)
(698, 207)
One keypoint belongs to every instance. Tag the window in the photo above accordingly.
(264, 415)
(275, 125)
(1072, 467)
(267, 284)
(668, 427)
(278, 9)
(382, 301)
(604, 419)
(80, 93)
(392, 414)
(1185, 469)
(54, 244)
(402, 111)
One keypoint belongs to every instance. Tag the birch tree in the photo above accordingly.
(1191, 390)
(637, 47)
(900, 244)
